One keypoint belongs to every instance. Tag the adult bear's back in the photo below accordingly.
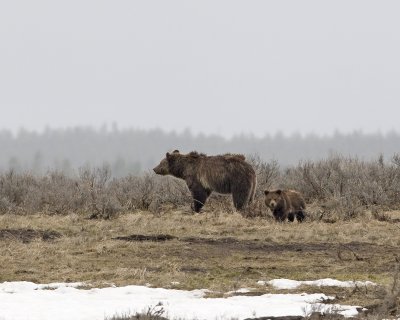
(224, 173)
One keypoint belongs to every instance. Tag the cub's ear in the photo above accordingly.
(176, 151)
(167, 155)
(279, 191)
(266, 192)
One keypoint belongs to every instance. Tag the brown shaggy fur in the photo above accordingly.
(285, 204)
(228, 173)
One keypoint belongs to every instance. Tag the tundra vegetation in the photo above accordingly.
(141, 229)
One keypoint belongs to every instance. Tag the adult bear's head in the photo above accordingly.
(164, 167)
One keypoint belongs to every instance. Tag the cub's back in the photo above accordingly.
(296, 198)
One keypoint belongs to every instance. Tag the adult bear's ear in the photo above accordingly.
(266, 192)
(279, 191)
(175, 151)
(167, 155)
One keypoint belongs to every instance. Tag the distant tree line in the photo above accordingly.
(134, 151)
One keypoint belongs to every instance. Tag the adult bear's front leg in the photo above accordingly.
(199, 195)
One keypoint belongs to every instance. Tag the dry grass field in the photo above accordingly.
(214, 250)
(141, 230)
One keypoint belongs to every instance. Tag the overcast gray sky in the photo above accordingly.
(212, 66)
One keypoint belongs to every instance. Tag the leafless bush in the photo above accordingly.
(93, 193)
(97, 198)
(170, 191)
(268, 176)
(346, 185)
(390, 305)
(334, 188)
(149, 192)
(134, 192)
(151, 313)
(268, 173)
(13, 190)
(218, 203)
(386, 298)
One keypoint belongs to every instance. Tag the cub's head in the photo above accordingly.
(272, 198)
(164, 167)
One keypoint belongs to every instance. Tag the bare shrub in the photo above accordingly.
(346, 185)
(218, 203)
(151, 313)
(13, 190)
(170, 191)
(336, 188)
(134, 192)
(390, 305)
(93, 186)
(93, 192)
(5, 205)
(386, 298)
(149, 192)
(268, 176)
(59, 194)
(268, 173)
(257, 209)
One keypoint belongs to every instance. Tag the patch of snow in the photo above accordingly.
(284, 283)
(242, 290)
(30, 301)
(11, 287)
(293, 284)
(336, 283)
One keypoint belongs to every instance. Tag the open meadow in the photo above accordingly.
(221, 252)
(142, 231)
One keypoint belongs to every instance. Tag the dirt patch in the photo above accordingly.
(28, 235)
(166, 237)
(191, 269)
(230, 243)
(212, 241)
(141, 237)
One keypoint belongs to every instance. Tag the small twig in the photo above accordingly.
(358, 258)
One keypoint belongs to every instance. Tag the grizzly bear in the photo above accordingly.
(204, 174)
(285, 204)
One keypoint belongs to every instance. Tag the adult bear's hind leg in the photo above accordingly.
(242, 194)
(240, 198)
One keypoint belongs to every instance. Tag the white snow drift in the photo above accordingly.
(29, 301)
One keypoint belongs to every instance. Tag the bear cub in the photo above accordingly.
(285, 204)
